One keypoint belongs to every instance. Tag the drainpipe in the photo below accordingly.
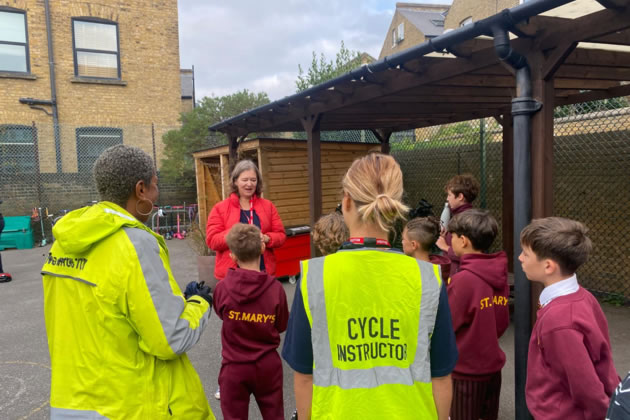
(523, 106)
(193, 86)
(53, 89)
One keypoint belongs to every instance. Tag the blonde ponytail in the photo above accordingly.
(374, 182)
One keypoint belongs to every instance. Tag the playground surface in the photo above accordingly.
(24, 362)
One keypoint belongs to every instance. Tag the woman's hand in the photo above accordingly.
(265, 238)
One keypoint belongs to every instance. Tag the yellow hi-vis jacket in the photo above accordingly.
(118, 325)
(372, 313)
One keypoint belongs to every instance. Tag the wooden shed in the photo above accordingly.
(284, 168)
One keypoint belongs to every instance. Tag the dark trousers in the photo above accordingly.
(262, 378)
(476, 399)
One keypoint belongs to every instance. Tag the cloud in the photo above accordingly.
(258, 45)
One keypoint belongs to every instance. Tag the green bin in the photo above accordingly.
(17, 233)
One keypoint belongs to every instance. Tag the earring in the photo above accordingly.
(141, 213)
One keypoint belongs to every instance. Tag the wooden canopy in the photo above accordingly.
(569, 60)
(469, 83)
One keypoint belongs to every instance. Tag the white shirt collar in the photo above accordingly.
(562, 288)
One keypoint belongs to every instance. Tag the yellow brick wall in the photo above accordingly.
(413, 36)
(149, 61)
(187, 105)
(477, 9)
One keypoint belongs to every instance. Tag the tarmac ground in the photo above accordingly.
(25, 366)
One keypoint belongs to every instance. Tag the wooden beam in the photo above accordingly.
(556, 58)
(471, 80)
(314, 152)
(398, 110)
(615, 92)
(618, 38)
(593, 72)
(593, 57)
(587, 27)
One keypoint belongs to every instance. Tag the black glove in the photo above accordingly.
(191, 289)
(205, 292)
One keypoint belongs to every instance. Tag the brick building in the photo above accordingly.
(116, 77)
(413, 24)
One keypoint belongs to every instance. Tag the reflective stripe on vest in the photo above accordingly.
(372, 313)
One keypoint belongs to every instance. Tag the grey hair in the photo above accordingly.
(242, 166)
(117, 171)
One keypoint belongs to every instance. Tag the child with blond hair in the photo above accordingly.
(329, 233)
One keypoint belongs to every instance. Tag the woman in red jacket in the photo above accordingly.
(244, 205)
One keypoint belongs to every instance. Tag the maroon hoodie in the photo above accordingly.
(449, 239)
(478, 297)
(253, 307)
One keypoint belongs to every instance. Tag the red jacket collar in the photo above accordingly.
(234, 200)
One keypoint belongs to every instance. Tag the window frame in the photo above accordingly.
(24, 166)
(104, 131)
(465, 22)
(25, 44)
(74, 46)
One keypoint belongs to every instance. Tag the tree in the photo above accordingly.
(322, 70)
(178, 165)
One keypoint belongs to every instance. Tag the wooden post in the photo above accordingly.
(233, 150)
(542, 151)
(383, 135)
(314, 152)
(508, 189)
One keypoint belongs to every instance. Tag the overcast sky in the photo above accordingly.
(258, 45)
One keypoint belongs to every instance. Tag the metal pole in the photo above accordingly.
(523, 106)
(53, 88)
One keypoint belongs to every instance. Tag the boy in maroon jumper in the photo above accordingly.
(478, 296)
(461, 191)
(253, 307)
(570, 370)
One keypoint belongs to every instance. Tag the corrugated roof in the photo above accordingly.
(425, 21)
(186, 79)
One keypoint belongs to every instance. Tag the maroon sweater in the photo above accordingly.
(570, 371)
(449, 240)
(253, 307)
(478, 296)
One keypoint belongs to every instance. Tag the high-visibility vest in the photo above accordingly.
(372, 313)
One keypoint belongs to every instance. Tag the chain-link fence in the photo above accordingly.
(438, 153)
(591, 184)
(591, 167)
(48, 167)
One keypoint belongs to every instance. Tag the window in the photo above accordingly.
(401, 31)
(17, 149)
(96, 52)
(92, 141)
(13, 41)
(393, 37)
(467, 21)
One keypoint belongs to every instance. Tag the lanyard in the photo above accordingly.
(250, 218)
(368, 242)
